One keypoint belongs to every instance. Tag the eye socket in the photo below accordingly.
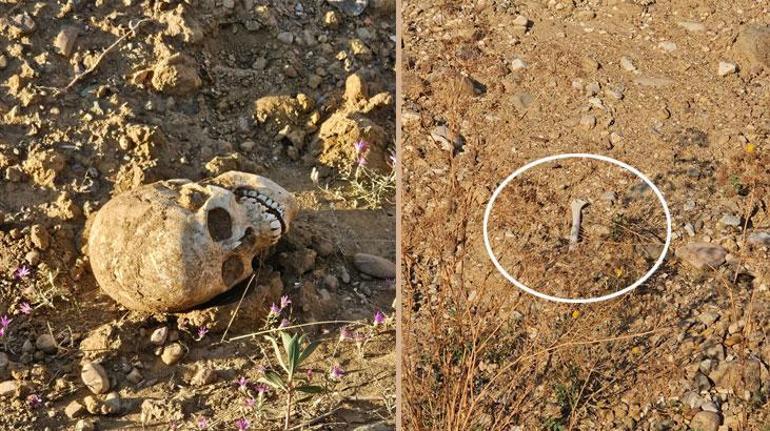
(220, 224)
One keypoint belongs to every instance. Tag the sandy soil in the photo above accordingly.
(90, 108)
(679, 90)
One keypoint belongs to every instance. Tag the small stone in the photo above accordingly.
(627, 64)
(8, 387)
(592, 89)
(706, 421)
(726, 68)
(375, 266)
(46, 343)
(590, 64)
(759, 239)
(3, 62)
(518, 64)
(350, 7)
(92, 405)
(332, 19)
(172, 354)
(95, 378)
(85, 425)
(730, 220)
(689, 229)
(286, 37)
(667, 46)
(522, 101)
(159, 336)
(32, 257)
(702, 254)
(3, 360)
(709, 406)
(228, 4)
(134, 376)
(65, 40)
(40, 237)
(74, 409)
(708, 317)
(701, 382)
(692, 399)
(521, 21)
(587, 121)
(112, 404)
(692, 26)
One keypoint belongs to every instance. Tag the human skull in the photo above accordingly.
(172, 245)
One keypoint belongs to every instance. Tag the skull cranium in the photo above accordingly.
(171, 245)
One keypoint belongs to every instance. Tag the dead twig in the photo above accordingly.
(132, 27)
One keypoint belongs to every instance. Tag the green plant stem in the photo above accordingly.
(268, 331)
(288, 409)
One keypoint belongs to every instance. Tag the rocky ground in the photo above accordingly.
(679, 90)
(100, 97)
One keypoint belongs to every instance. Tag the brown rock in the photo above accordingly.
(65, 40)
(95, 378)
(375, 266)
(74, 410)
(172, 353)
(9, 388)
(706, 421)
(40, 237)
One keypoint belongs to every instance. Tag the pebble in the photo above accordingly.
(521, 21)
(726, 68)
(518, 64)
(706, 421)
(85, 425)
(159, 336)
(587, 121)
(95, 378)
(65, 40)
(172, 354)
(689, 229)
(46, 343)
(730, 220)
(134, 376)
(627, 64)
(112, 404)
(286, 37)
(708, 317)
(3, 62)
(692, 399)
(350, 7)
(759, 239)
(375, 266)
(709, 406)
(667, 46)
(592, 89)
(40, 237)
(8, 387)
(74, 409)
(702, 254)
(332, 19)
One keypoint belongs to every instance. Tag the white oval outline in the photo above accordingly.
(589, 300)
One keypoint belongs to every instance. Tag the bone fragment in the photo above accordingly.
(574, 235)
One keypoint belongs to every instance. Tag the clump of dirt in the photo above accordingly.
(104, 97)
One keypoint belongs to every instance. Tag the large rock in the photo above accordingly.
(702, 254)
